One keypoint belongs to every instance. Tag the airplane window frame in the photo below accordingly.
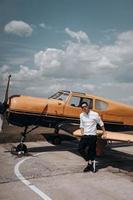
(60, 96)
(103, 108)
(81, 100)
(72, 103)
(63, 97)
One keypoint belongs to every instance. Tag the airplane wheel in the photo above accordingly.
(21, 149)
(56, 140)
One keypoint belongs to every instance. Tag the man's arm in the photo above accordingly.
(104, 135)
(100, 122)
(81, 125)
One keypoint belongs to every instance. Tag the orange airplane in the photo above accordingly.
(63, 109)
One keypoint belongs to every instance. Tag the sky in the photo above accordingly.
(78, 45)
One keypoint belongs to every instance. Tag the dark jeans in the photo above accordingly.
(87, 147)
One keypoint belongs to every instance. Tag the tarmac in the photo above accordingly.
(52, 172)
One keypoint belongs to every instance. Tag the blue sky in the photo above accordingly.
(82, 45)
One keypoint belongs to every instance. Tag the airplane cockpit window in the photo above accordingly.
(60, 96)
(100, 105)
(74, 101)
(77, 101)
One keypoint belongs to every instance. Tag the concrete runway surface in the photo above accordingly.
(56, 173)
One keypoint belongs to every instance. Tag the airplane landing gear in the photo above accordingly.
(22, 148)
(57, 139)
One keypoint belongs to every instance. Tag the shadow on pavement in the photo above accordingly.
(116, 160)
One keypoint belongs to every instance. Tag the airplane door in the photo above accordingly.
(59, 108)
(55, 107)
(73, 109)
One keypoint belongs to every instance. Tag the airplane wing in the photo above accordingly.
(116, 136)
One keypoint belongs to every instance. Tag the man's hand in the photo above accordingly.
(104, 135)
(82, 131)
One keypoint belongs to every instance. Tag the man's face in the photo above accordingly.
(85, 109)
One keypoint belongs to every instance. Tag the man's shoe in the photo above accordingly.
(93, 166)
(87, 168)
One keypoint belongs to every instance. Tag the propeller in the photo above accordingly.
(3, 105)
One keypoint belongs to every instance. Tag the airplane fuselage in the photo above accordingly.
(64, 107)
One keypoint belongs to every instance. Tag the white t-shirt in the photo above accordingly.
(89, 122)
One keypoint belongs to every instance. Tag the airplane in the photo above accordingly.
(62, 110)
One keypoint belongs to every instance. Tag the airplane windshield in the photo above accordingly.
(60, 96)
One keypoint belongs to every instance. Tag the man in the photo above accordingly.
(88, 125)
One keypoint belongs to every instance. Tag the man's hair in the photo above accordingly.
(84, 104)
(89, 104)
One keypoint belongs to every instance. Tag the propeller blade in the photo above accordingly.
(7, 89)
(3, 105)
(1, 123)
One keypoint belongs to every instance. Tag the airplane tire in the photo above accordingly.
(21, 148)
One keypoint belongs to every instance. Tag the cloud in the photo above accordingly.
(121, 92)
(77, 60)
(42, 25)
(25, 73)
(79, 36)
(4, 68)
(101, 69)
(19, 28)
(125, 38)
